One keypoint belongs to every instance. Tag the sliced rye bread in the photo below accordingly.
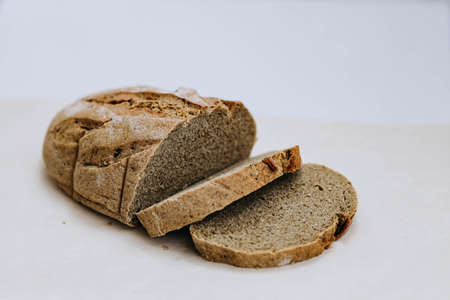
(124, 150)
(291, 219)
(214, 193)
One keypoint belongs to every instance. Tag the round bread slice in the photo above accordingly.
(214, 193)
(121, 151)
(291, 219)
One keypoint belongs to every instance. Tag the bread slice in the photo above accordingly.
(214, 193)
(291, 219)
(124, 150)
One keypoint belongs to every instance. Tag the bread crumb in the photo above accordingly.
(110, 222)
(64, 222)
(165, 247)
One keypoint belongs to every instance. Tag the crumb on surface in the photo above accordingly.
(110, 222)
(64, 222)
(165, 247)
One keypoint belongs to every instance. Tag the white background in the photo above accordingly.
(355, 83)
(372, 61)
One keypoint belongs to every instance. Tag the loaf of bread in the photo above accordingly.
(170, 159)
(291, 219)
(122, 151)
(214, 193)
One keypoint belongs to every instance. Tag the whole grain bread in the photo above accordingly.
(291, 219)
(214, 193)
(121, 151)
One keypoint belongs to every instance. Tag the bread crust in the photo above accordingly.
(265, 259)
(98, 147)
(214, 194)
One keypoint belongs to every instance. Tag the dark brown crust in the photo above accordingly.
(342, 226)
(269, 162)
(294, 160)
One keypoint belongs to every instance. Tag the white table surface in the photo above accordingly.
(397, 248)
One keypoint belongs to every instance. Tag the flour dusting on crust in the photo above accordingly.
(191, 95)
(82, 107)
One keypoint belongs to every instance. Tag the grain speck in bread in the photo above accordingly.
(124, 150)
(291, 219)
(214, 193)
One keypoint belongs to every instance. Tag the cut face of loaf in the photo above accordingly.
(291, 219)
(214, 193)
(124, 150)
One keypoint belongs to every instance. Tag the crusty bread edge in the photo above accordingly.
(264, 259)
(98, 208)
(172, 214)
